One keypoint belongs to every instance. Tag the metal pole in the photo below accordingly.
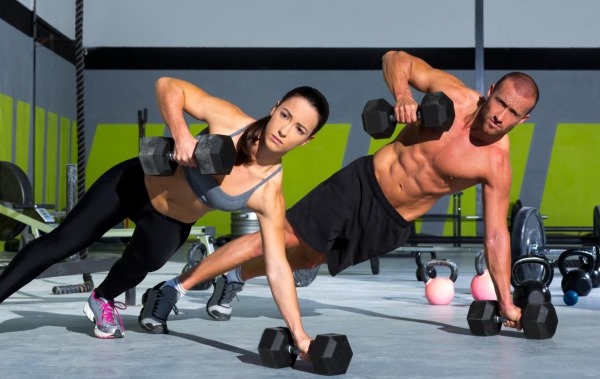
(71, 186)
(479, 86)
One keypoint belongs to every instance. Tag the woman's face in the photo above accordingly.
(292, 123)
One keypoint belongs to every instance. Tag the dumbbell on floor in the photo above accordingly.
(436, 112)
(539, 321)
(214, 153)
(330, 354)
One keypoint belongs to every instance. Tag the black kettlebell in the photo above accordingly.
(595, 274)
(431, 271)
(531, 290)
(577, 279)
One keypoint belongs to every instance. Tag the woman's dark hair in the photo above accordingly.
(255, 130)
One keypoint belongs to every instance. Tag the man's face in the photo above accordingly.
(504, 109)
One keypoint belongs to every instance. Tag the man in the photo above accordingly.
(365, 209)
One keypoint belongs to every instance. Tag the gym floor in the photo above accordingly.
(393, 331)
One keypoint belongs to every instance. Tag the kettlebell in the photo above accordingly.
(595, 274)
(577, 279)
(482, 287)
(439, 291)
(419, 272)
(531, 290)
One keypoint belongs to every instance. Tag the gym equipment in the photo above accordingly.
(419, 273)
(597, 221)
(570, 298)
(595, 274)
(197, 253)
(539, 321)
(528, 290)
(528, 237)
(15, 188)
(482, 287)
(576, 279)
(330, 354)
(436, 112)
(214, 153)
(439, 291)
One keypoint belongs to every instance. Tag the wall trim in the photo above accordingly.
(159, 58)
(21, 18)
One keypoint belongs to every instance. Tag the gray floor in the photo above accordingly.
(394, 333)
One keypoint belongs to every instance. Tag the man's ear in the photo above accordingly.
(490, 90)
(524, 118)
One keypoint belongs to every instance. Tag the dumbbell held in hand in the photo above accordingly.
(214, 153)
(436, 112)
(539, 321)
(330, 354)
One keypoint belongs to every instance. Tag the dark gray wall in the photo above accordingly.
(54, 78)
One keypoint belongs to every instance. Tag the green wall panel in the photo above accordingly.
(112, 144)
(307, 166)
(22, 139)
(39, 151)
(571, 189)
(6, 130)
(63, 159)
(51, 162)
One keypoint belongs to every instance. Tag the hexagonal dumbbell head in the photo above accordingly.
(274, 348)
(437, 111)
(215, 154)
(539, 321)
(330, 354)
(154, 156)
(482, 318)
(378, 118)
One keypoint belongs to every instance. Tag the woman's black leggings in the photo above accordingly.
(118, 194)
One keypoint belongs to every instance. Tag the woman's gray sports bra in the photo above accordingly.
(209, 192)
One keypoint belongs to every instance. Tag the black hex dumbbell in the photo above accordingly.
(436, 112)
(330, 354)
(214, 153)
(539, 321)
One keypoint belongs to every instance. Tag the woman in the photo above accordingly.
(164, 208)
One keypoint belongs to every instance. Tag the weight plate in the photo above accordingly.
(304, 277)
(14, 188)
(597, 222)
(527, 238)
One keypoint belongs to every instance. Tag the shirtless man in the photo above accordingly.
(365, 209)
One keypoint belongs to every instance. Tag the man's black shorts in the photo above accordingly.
(348, 218)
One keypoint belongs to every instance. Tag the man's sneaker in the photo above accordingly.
(156, 305)
(219, 305)
(105, 315)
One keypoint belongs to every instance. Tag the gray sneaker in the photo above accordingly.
(157, 303)
(219, 305)
(105, 315)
